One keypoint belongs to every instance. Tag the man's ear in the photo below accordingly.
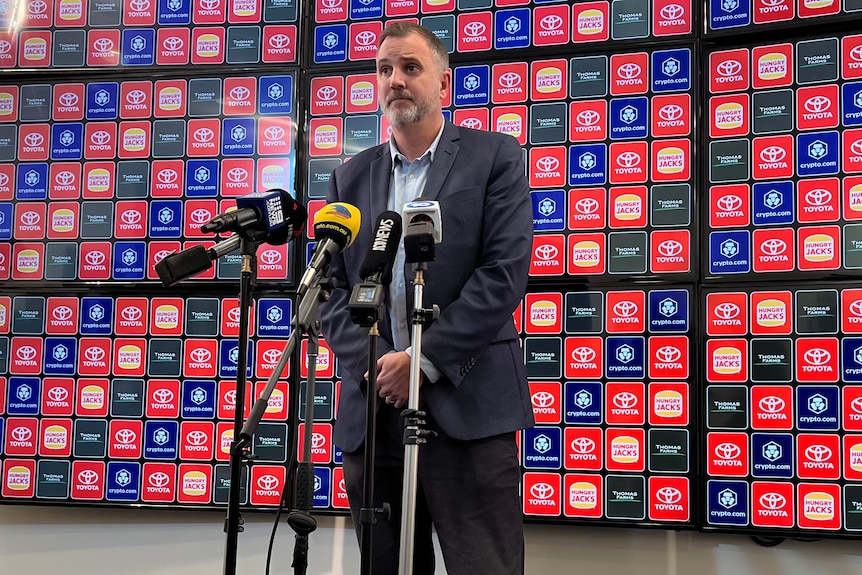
(445, 83)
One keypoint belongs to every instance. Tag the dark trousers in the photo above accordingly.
(469, 490)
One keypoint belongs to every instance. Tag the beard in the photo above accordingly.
(402, 113)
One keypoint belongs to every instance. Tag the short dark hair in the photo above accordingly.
(404, 29)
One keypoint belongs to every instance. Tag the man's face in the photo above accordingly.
(409, 80)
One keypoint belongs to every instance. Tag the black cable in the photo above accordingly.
(764, 541)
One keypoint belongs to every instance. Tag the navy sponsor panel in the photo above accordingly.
(625, 358)
(199, 399)
(543, 448)
(817, 407)
(583, 402)
(772, 455)
(668, 311)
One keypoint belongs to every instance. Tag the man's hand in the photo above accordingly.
(393, 378)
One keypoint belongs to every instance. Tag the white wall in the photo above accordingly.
(37, 540)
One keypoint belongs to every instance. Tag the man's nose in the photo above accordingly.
(396, 80)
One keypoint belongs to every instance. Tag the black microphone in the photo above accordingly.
(259, 211)
(377, 266)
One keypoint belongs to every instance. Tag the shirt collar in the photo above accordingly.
(431, 151)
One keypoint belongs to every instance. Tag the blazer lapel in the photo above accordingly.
(444, 157)
(378, 184)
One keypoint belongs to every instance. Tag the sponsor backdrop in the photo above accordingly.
(122, 392)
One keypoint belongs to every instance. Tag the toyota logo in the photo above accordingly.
(668, 495)
(229, 397)
(327, 93)
(817, 104)
(773, 246)
(240, 93)
(131, 217)
(856, 53)
(331, 3)
(583, 354)
(21, 434)
(203, 135)
(668, 354)
(159, 479)
(727, 310)
(729, 203)
(279, 41)
(34, 139)
(200, 216)
(318, 440)
(163, 396)
(818, 452)
(546, 252)
(267, 482)
(100, 138)
(103, 45)
(271, 356)
(125, 436)
(270, 257)
(95, 258)
(62, 313)
(817, 356)
(551, 22)
(629, 70)
(209, 4)
(542, 399)
(30, 218)
(510, 79)
(670, 112)
(588, 118)
(856, 405)
(237, 175)
(587, 205)
(132, 313)
(771, 404)
(136, 97)
(88, 477)
(729, 68)
(625, 400)
(233, 314)
(818, 197)
(167, 176)
(671, 12)
(625, 308)
(196, 437)
(5, 46)
(162, 254)
(94, 354)
(200, 355)
(856, 147)
(173, 43)
(547, 163)
(773, 154)
(728, 451)
(583, 445)
(37, 7)
(139, 5)
(64, 178)
(772, 3)
(68, 99)
(628, 159)
(542, 491)
(366, 38)
(773, 501)
(274, 133)
(58, 393)
(670, 248)
(26, 352)
(474, 29)
(473, 123)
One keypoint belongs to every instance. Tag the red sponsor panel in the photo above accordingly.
(125, 439)
(273, 263)
(852, 197)
(6, 315)
(272, 172)
(134, 140)
(30, 221)
(363, 38)
(587, 254)
(628, 207)
(243, 11)
(200, 358)
(509, 82)
(9, 100)
(139, 13)
(628, 163)
(668, 357)
(103, 47)
(728, 115)
(547, 401)
(166, 316)
(474, 118)
(851, 57)
(851, 310)
(625, 311)
(816, 359)
(510, 120)
(230, 318)
(33, 142)
(19, 478)
(771, 313)
(197, 440)
(852, 457)
(100, 140)
(517, 315)
(63, 219)
(131, 316)
(727, 360)
(5, 261)
(727, 454)
(549, 255)
(772, 66)
(163, 398)
(55, 437)
(70, 13)
(2, 395)
(765, 11)
(274, 136)
(475, 32)
(587, 209)
(237, 177)
(669, 499)
(88, 480)
(94, 262)
(671, 115)
(224, 438)
(551, 25)
(34, 48)
(25, 355)
(173, 46)
(279, 44)
(671, 17)
(8, 52)
(267, 484)
(817, 200)
(625, 449)
(208, 45)
(68, 102)
(209, 11)
(226, 403)
(813, 8)
(339, 490)
(818, 456)
(395, 8)
(35, 14)
(625, 403)
(771, 406)
(773, 250)
(7, 182)
(321, 442)
(159, 482)
(544, 313)
(591, 22)
(851, 156)
(136, 99)
(583, 495)
(58, 396)
(330, 10)
(131, 219)
(91, 397)
(276, 405)
(726, 313)
(549, 79)
(542, 495)
(360, 93)
(818, 506)
(22, 436)
(327, 95)
(194, 483)
(819, 248)
(434, 6)
(547, 167)
(817, 107)
(583, 448)
(198, 212)
(204, 137)
(584, 357)
(772, 157)
(98, 182)
(670, 251)
(588, 120)
(267, 355)
(156, 252)
(325, 136)
(629, 73)
(668, 403)
(28, 260)
(772, 503)
(167, 177)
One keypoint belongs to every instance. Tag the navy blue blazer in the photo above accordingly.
(477, 279)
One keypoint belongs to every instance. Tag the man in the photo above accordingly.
(474, 384)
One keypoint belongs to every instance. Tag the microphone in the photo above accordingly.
(261, 211)
(377, 266)
(423, 228)
(335, 227)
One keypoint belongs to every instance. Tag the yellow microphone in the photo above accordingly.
(335, 227)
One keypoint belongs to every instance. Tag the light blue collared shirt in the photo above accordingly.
(407, 182)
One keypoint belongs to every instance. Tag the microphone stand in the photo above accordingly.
(418, 249)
